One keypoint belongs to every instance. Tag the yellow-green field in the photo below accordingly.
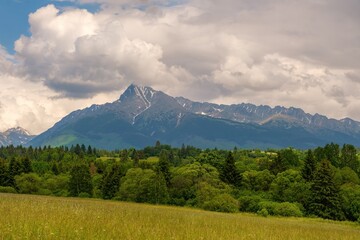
(39, 217)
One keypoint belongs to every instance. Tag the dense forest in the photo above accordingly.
(322, 182)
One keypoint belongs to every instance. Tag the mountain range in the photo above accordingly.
(142, 115)
(15, 136)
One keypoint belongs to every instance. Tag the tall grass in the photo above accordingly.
(39, 217)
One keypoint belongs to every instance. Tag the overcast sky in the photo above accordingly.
(59, 56)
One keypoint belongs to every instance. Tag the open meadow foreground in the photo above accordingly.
(40, 217)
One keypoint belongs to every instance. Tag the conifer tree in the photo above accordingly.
(111, 182)
(55, 168)
(89, 151)
(164, 166)
(3, 173)
(229, 173)
(325, 200)
(309, 168)
(135, 158)
(14, 170)
(26, 165)
(80, 180)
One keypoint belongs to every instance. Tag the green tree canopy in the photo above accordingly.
(80, 180)
(229, 173)
(325, 201)
(309, 169)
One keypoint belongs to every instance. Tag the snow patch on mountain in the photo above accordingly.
(15, 136)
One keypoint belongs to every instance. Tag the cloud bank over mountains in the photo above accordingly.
(291, 53)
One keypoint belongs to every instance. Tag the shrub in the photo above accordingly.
(222, 203)
(84, 195)
(28, 183)
(7, 189)
(62, 193)
(281, 209)
(44, 191)
(287, 209)
(250, 203)
(263, 212)
(269, 206)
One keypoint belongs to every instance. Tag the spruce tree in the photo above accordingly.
(229, 173)
(26, 165)
(80, 180)
(3, 173)
(55, 168)
(89, 151)
(325, 200)
(111, 182)
(164, 166)
(309, 168)
(14, 170)
(135, 158)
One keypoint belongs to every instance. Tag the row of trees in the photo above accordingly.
(322, 182)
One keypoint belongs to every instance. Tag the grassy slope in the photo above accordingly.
(38, 217)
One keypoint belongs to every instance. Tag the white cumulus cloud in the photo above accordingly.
(292, 53)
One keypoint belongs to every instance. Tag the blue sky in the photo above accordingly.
(14, 17)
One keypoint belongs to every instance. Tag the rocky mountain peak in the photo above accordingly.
(15, 136)
(17, 130)
(143, 115)
(144, 94)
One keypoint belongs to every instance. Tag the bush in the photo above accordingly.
(269, 206)
(281, 209)
(62, 193)
(7, 189)
(263, 212)
(84, 195)
(28, 183)
(222, 203)
(287, 209)
(44, 191)
(250, 203)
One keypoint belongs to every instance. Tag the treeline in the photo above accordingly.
(322, 182)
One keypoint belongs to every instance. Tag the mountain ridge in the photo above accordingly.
(142, 115)
(250, 113)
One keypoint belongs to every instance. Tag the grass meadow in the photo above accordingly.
(42, 217)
